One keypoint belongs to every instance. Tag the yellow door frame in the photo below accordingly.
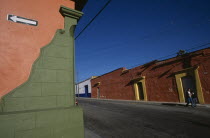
(183, 73)
(136, 89)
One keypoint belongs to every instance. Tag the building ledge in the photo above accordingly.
(138, 79)
(65, 11)
(187, 69)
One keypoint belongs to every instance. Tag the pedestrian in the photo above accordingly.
(194, 98)
(189, 97)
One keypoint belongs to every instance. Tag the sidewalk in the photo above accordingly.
(144, 102)
(90, 134)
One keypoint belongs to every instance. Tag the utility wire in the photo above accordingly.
(203, 45)
(93, 19)
(186, 50)
(144, 37)
(197, 47)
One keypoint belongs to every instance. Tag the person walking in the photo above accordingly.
(194, 98)
(189, 98)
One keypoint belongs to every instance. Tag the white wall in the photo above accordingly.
(81, 87)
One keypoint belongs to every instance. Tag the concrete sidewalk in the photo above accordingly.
(90, 134)
(143, 102)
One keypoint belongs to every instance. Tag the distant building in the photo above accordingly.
(165, 80)
(83, 88)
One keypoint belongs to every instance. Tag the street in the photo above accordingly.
(112, 119)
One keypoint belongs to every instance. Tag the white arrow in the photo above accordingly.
(15, 19)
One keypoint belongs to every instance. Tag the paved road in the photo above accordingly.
(107, 119)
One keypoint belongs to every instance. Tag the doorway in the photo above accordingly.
(86, 90)
(189, 78)
(98, 92)
(140, 90)
(188, 82)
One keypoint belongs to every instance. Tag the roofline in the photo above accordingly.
(155, 61)
(79, 4)
(86, 80)
(185, 54)
(109, 72)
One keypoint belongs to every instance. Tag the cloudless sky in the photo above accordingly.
(129, 33)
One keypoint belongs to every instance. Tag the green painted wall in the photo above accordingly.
(44, 106)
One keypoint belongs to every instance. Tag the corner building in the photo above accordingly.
(165, 81)
(37, 69)
(83, 88)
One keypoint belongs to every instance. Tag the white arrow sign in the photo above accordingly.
(18, 19)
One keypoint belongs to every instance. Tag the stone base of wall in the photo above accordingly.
(52, 123)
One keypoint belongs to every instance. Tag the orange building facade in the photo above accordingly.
(165, 80)
(20, 43)
(37, 69)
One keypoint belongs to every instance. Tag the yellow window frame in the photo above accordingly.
(136, 89)
(183, 73)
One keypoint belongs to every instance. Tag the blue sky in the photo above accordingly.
(131, 33)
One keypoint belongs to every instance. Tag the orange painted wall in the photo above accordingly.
(19, 43)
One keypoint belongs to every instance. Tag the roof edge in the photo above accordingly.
(79, 4)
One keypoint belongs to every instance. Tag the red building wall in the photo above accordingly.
(159, 78)
(113, 85)
(203, 61)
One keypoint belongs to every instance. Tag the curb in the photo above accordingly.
(143, 102)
